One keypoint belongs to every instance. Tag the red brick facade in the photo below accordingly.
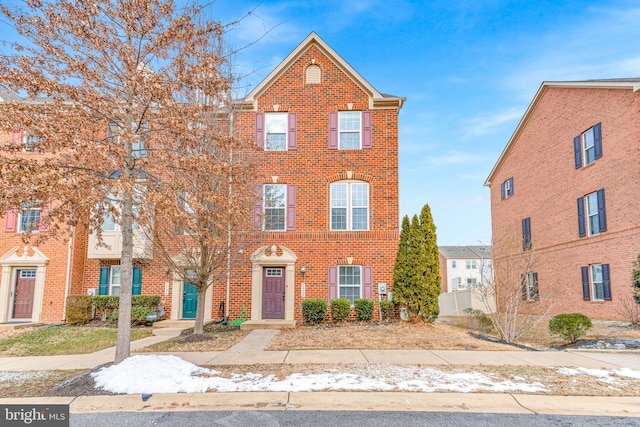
(312, 166)
(550, 179)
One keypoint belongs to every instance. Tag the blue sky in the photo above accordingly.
(468, 68)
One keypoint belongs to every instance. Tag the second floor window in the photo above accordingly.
(275, 203)
(350, 206)
(592, 217)
(29, 219)
(471, 265)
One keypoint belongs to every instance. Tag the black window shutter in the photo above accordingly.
(511, 186)
(606, 283)
(582, 230)
(597, 140)
(585, 284)
(602, 214)
(577, 151)
(536, 296)
(523, 285)
(526, 234)
(502, 191)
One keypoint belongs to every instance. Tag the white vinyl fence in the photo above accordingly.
(454, 303)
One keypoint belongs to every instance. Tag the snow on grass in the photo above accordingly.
(169, 374)
(15, 378)
(604, 375)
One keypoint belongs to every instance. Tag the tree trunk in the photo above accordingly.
(123, 343)
(199, 326)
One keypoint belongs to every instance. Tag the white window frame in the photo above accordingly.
(471, 281)
(282, 208)
(31, 143)
(589, 146)
(591, 202)
(453, 264)
(348, 205)
(342, 286)
(273, 119)
(595, 283)
(508, 189)
(32, 211)
(531, 294)
(345, 118)
(115, 271)
(471, 264)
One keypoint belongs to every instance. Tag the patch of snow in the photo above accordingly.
(14, 378)
(143, 374)
(606, 376)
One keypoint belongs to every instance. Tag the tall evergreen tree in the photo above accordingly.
(416, 274)
(400, 268)
(431, 263)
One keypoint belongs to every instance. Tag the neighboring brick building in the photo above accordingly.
(565, 188)
(464, 267)
(326, 223)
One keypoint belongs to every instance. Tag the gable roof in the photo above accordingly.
(376, 99)
(466, 252)
(625, 83)
(7, 95)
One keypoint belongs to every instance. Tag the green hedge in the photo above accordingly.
(364, 309)
(570, 326)
(340, 309)
(314, 310)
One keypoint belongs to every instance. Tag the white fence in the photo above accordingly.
(454, 303)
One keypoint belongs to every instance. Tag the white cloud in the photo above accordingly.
(487, 124)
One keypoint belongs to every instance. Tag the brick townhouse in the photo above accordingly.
(565, 191)
(325, 219)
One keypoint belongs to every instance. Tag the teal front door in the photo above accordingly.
(189, 301)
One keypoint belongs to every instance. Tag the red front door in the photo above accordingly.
(273, 293)
(23, 294)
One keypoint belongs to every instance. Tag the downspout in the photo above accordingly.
(67, 281)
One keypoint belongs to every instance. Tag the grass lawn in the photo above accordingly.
(62, 340)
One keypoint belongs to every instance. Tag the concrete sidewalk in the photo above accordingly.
(251, 350)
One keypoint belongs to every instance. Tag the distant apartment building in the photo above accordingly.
(464, 267)
(565, 190)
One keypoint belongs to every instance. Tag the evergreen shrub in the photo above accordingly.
(314, 310)
(364, 309)
(570, 326)
(340, 309)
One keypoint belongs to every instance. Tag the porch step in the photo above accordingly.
(250, 325)
(184, 324)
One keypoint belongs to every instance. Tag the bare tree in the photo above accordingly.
(106, 84)
(509, 290)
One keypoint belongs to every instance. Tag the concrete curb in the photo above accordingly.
(350, 401)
